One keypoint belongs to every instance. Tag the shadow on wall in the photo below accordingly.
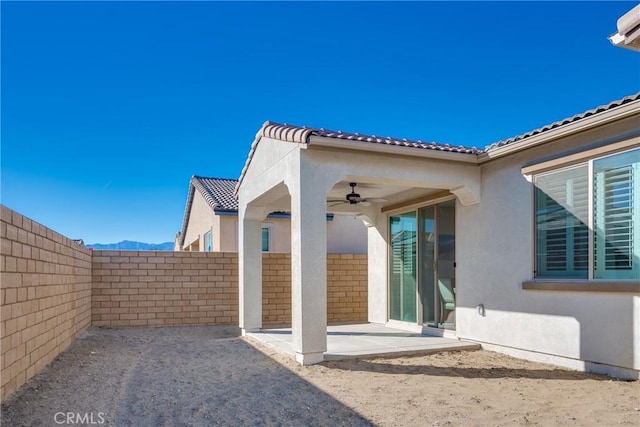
(595, 328)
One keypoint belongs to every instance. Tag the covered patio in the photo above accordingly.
(311, 172)
(364, 340)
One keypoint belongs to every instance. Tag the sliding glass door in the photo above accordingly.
(402, 286)
(422, 266)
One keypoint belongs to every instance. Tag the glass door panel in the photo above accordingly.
(427, 264)
(403, 275)
(446, 273)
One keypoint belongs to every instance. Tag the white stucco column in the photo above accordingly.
(250, 268)
(308, 268)
(378, 263)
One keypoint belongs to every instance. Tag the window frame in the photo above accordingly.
(566, 275)
(269, 227)
(532, 172)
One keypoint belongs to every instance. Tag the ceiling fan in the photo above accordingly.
(354, 198)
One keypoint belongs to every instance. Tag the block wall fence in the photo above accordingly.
(156, 288)
(52, 289)
(45, 296)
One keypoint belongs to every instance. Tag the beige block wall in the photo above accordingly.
(45, 296)
(138, 288)
(52, 290)
(156, 288)
(346, 288)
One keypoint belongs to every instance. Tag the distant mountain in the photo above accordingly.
(128, 245)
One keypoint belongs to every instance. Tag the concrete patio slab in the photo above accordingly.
(364, 340)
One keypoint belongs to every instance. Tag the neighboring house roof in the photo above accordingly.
(218, 192)
(302, 135)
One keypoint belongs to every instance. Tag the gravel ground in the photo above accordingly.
(207, 376)
(200, 376)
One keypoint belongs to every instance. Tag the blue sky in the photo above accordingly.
(108, 108)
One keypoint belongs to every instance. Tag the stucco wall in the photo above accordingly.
(495, 256)
(345, 234)
(280, 233)
(45, 296)
(201, 220)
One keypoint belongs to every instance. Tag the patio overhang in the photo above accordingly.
(294, 170)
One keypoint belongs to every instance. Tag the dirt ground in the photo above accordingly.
(202, 376)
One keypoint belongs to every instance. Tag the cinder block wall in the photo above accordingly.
(346, 288)
(147, 288)
(276, 289)
(45, 296)
(52, 290)
(156, 288)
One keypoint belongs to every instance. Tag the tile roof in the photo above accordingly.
(559, 123)
(301, 134)
(218, 192)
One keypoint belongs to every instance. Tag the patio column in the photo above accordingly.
(378, 262)
(309, 268)
(250, 268)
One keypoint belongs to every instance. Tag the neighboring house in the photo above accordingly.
(530, 246)
(211, 223)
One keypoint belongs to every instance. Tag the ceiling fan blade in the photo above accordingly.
(338, 203)
(375, 200)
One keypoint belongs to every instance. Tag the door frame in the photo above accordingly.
(419, 325)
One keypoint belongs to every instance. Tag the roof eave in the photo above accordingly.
(346, 144)
(187, 212)
(578, 126)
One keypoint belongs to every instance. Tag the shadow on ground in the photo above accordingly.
(383, 366)
(201, 376)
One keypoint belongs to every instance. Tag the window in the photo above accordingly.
(587, 219)
(207, 241)
(265, 239)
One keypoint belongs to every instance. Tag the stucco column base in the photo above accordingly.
(307, 359)
(245, 331)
